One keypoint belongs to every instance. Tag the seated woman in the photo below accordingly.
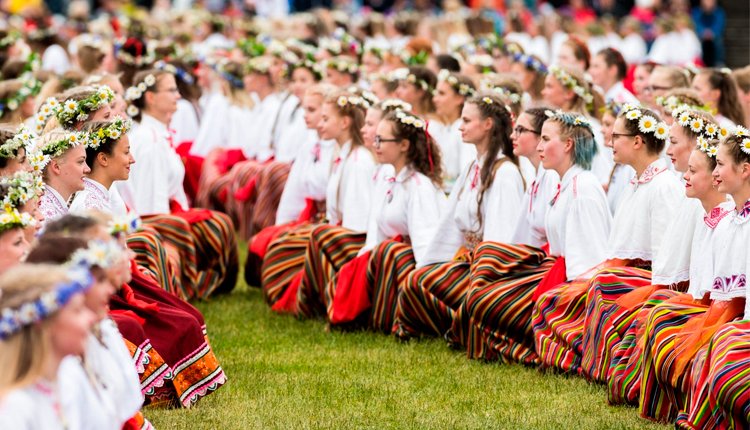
(30, 395)
(184, 368)
(485, 204)
(23, 193)
(406, 209)
(678, 328)
(496, 315)
(348, 203)
(14, 147)
(565, 332)
(155, 187)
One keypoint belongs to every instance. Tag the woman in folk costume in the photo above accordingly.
(450, 94)
(608, 69)
(531, 72)
(670, 270)
(347, 209)
(720, 91)
(485, 204)
(229, 118)
(621, 173)
(15, 145)
(566, 88)
(495, 320)
(155, 187)
(108, 367)
(677, 329)
(303, 198)
(407, 206)
(30, 393)
(109, 157)
(562, 318)
(17, 98)
(24, 191)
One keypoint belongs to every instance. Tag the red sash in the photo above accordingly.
(554, 277)
(352, 295)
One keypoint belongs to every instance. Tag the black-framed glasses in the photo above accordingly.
(519, 130)
(652, 88)
(378, 140)
(616, 135)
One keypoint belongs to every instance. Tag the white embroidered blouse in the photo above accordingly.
(711, 233)
(407, 205)
(52, 205)
(349, 189)
(35, 407)
(578, 222)
(672, 265)
(530, 228)
(646, 206)
(93, 197)
(733, 260)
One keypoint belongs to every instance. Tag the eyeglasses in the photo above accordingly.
(616, 135)
(170, 90)
(519, 130)
(378, 140)
(652, 88)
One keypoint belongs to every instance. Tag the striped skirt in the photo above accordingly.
(152, 257)
(214, 183)
(330, 247)
(558, 328)
(494, 323)
(720, 396)
(218, 255)
(430, 297)
(270, 187)
(284, 259)
(604, 321)
(243, 194)
(387, 267)
(625, 371)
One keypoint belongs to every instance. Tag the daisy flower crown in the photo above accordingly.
(488, 86)
(12, 218)
(483, 61)
(146, 58)
(314, 67)
(646, 123)
(54, 149)
(744, 136)
(13, 320)
(233, 80)
(396, 104)
(672, 102)
(347, 39)
(114, 131)
(704, 129)
(531, 63)
(136, 92)
(45, 113)
(72, 110)
(333, 46)
(124, 224)
(569, 119)
(410, 120)
(369, 97)
(23, 139)
(258, 65)
(462, 89)
(31, 87)
(404, 75)
(412, 60)
(570, 82)
(356, 101)
(23, 186)
(10, 39)
(182, 74)
(103, 254)
(341, 65)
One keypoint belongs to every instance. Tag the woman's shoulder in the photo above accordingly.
(361, 156)
(586, 184)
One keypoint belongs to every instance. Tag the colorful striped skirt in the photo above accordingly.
(270, 187)
(676, 331)
(215, 182)
(626, 368)
(558, 327)
(152, 257)
(430, 297)
(284, 260)
(180, 245)
(330, 247)
(218, 255)
(243, 194)
(494, 322)
(370, 298)
(720, 395)
(605, 322)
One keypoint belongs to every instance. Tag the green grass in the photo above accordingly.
(290, 374)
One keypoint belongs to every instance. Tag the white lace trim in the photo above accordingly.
(673, 279)
(631, 255)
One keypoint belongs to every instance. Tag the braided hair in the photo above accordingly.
(423, 153)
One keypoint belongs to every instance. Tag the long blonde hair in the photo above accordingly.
(24, 354)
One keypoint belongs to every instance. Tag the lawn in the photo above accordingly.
(290, 374)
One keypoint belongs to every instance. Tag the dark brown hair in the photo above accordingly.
(139, 77)
(538, 116)
(355, 112)
(55, 249)
(612, 57)
(425, 74)
(106, 146)
(653, 145)
(733, 144)
(423, 154)
(580, 50)
(729, 101)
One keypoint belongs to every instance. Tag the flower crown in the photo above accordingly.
(570, 82)
(383, 77)
(347, 39)
(11, 39)
(104, 254)
(488, 42)
(311, 65)
(369, 97)
(73, 110)
(462, 89)
(343, 66)
(412, 60)
(136, 92)
(12, 218)
(531, 63)
(23, 186)
(646, 123)
(31, 87)
(220, 68)
(33, 63)
(708, 149)
(481, 60)
(704, 130)
(410, 120)
(488, 86)
(673, 102)
(45, 113)
(333, 46)
(114, 131)
(404, 75)
(258, 65)
(90, 40)
(124, 224)
(741, 132)
(54, 149)
(569, 119)
(79, 280)
(356, 101)
(183, 75)
(396, 104)
(24, 138)
(146, 58)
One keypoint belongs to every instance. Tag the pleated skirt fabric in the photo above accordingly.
(243, 194)
(178, 240)
(329, 248)
(558, 319)
(494, 322)
(284, 259)
(270, 187)
(217, 255)
(152, 257)
(214, 183)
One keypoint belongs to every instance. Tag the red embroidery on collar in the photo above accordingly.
(713, 218)
(647, 175)
(475, 180)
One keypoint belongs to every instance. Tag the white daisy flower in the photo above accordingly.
(132, 110)
(51, 102)
(647, 124)
(712, 151)
(341, 101)
(662, 131)
(684, 119)
(741, 131)
(13, 105)
(696, 124)
(711, 130)
(702, 143)
(149, 80)
(633, 114)
(114, 134)
(723, 132)
(487, 100)
(70, 106)
(745, 146)
(142, 87)
(27, 313)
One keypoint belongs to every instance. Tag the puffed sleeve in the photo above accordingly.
(667, 199)
(292, 201)
(586, 235)
(448, 238)
(214, 127)
(356, 190)
(148, 187)
(424, 211)
(185, 122)
(503, 204)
